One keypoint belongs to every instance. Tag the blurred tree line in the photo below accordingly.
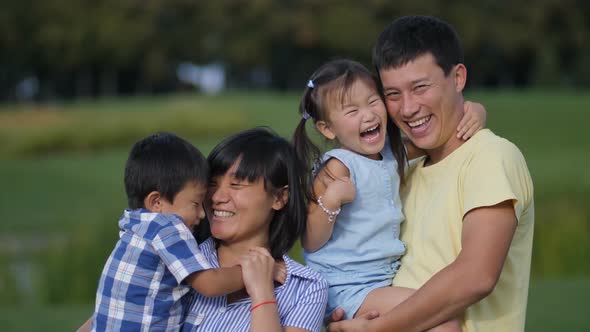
(81, 48)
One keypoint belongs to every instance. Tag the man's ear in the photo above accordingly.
(460, 77)
(153, 202)
(324, 128)
(281, 198)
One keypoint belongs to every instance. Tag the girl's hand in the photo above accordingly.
(474, 119)
(257, 273)
(340, 191)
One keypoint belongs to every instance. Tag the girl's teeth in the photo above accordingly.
(371, 129)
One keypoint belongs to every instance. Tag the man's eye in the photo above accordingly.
(420, 87)
(392, 95)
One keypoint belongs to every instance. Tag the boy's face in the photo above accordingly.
(188, 204)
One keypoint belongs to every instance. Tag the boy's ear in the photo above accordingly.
(153, 202)
(324, 128)
(281, 198)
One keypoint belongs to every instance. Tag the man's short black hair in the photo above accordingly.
(410, 37)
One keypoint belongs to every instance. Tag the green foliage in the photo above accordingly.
(42, 132)
(69, 271)
(67, 204)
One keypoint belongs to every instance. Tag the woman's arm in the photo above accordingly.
(257, 272)
(334, 187)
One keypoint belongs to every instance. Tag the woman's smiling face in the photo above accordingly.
(240, 211)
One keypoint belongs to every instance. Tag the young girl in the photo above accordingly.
(352, 234)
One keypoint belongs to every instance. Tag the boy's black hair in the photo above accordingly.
(264, 154)
(335, 79)
(410, 37)
(165, 163)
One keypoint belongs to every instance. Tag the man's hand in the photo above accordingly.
(360, 323)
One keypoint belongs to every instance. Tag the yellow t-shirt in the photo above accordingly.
(484, 171)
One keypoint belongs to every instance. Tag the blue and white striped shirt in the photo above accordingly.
(301, 301)
(141, 284)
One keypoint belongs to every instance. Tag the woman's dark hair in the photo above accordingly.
(165, 163)
(261, 153)
(335, 79)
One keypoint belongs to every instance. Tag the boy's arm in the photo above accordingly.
(217, 282)
(334, 187)
(86, 326)
(474, 119)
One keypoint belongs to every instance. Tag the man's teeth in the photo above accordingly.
(225, 214)
(419, 122)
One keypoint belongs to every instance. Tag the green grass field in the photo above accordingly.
(58, 209)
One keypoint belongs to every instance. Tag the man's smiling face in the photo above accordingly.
(424, 103)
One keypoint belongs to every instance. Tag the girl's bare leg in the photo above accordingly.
(385, 299)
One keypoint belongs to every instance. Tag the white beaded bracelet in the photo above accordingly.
(331, 214)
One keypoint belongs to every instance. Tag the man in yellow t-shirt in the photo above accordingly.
(468, 204)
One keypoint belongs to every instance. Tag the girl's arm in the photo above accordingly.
(474, 119)
(412, 151)
(334, 187)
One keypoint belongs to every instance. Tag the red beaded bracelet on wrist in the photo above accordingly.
(262, 303)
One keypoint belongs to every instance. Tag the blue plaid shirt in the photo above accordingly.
(301, 301)
(141, 287)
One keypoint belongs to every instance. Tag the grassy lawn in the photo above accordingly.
(71, 199)
(554, 305)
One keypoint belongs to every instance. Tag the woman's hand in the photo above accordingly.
(258, 274)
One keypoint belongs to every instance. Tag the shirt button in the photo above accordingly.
(222, 309)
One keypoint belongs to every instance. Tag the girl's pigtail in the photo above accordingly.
(397, 148)
(307, 152)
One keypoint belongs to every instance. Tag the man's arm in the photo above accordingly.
(486, 236)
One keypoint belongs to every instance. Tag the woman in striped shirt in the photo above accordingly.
(256, 208)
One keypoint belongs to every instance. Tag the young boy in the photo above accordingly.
(157, 259)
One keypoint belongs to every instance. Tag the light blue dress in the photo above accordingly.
(364, 250)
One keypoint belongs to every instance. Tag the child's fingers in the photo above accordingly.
(260, 250)
(471, 132)
(463, 127)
